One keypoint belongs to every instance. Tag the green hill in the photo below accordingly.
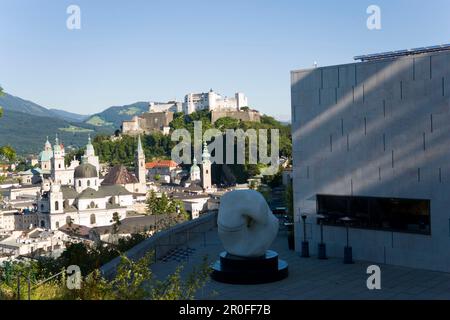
(114, 116)
(27, 133)
(26, 124)
(12, 103)
(69, 116)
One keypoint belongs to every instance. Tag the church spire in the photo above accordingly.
(90, 151)
(206, 156)
(140, 163)
(140, 150)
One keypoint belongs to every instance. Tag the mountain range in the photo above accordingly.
(25, 124)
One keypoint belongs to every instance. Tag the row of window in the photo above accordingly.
(389, 214)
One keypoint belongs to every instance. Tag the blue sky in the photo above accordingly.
(156, 50)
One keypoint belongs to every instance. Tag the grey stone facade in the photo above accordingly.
(382, 129)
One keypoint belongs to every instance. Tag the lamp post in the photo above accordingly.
(305, 243)
(348, 254)
(322, 249)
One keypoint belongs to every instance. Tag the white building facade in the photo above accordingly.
(213, 101)
(74, 195)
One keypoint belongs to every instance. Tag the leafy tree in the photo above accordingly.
(133, 281)
(115, 227)
(226, 123)
(1, 109)
(151, 202)
(8, 153)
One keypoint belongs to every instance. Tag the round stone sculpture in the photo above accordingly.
(246, 225)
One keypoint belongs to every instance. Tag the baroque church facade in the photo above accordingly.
(77, 194)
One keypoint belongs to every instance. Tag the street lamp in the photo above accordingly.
(348, 255)
(305, 243)
(322, 247)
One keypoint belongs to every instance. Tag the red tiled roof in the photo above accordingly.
(119, 175)
(161, 164)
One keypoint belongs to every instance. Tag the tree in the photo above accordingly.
(115, 227)
(1, 109)
(151, 202)
(8, 153)
(133, 280)
(226, 123)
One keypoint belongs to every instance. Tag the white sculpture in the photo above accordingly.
(246, 224)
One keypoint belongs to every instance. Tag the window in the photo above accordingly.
(57, 225)
(93, 221)
(79, 183)
(69, 220)
(56, 205)
(59, 166)
(89, 183)
(92, 205)
(389, 214)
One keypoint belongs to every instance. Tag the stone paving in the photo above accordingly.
(311, 278)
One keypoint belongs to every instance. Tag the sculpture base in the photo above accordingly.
(238, 270)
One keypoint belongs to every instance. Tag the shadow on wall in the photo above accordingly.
(382, 100)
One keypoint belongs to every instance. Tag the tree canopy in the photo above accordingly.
(121, 150)
(1, 109)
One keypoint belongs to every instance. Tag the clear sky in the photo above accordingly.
(156, 50)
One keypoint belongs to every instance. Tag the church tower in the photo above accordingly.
(89, 155)
(58, 166)
(195, 171)
(139, 163)
(45, 157)
(206, 168)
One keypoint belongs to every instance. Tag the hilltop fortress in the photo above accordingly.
(159, 115)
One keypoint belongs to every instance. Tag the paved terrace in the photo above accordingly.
(309, 278)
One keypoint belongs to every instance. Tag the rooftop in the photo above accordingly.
(161, 164)
(308, 278)
(402, 53)
(119, 175)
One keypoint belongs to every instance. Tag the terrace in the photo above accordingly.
(309, 278)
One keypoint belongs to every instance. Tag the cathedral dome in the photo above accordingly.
(195, 168)
(85, 170)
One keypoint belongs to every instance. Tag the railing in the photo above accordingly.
(162, 242)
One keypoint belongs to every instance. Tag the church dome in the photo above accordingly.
(195, 168)
(85, 170)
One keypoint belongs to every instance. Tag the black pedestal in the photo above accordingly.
(348, 255)
(305, 249)
(322, 251)
(239, 270)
